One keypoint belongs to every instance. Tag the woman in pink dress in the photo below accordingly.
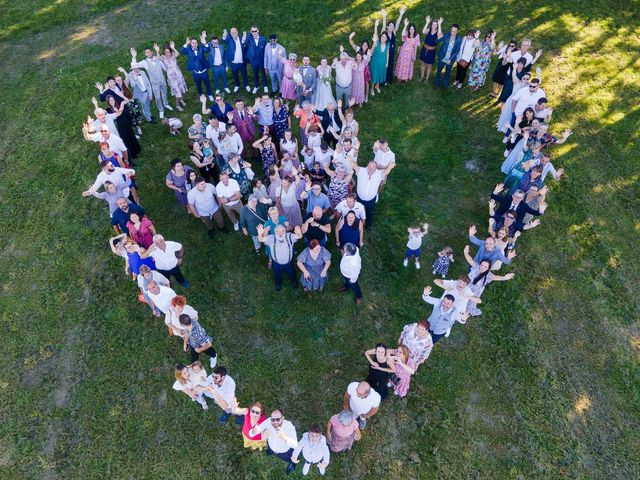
(364, 49)
(141, 230)
(358, 83)
(288, 85)
(407, 55)
(175, 79)
(405, 368)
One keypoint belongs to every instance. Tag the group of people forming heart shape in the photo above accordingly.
(315, 175)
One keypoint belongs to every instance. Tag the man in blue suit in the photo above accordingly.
(447, 55)
(217, 62)
(255, 57)
(197, 64)
(236, 56)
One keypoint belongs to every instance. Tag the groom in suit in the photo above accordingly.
(446, 56)
(255, 57)
(329, 118)
(197, 64)
(304, 90)
(236, 56)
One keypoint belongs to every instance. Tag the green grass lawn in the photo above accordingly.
(544, 385)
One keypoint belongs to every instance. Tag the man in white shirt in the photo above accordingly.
(281, 435)
(160, 297)
(465, 55)
(235, 56)
(525, 53)
(116, 144)
(213, 130)
(222, 388)
(167, 256)
(120, 177)
(344, 77)
(314, 449)
(228, 192)
(203, 204)
(383, 156)
(350, 266)
(369, 179)
(362, 400)
(350, 203)
(144, 277)
(524, 98)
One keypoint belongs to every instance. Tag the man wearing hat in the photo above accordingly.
(272, 64)
(255, 57)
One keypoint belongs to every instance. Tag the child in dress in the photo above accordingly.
(198, 378)
(441, 265)
(308, 155)
(414, 244)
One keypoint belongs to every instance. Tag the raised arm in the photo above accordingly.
(403, 9)
(468, 257)
(427, 21)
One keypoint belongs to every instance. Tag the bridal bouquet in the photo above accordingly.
(326, 79)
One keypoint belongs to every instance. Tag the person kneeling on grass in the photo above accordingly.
(314, 449)
(197, 339)
(281, 435)
(414, 244)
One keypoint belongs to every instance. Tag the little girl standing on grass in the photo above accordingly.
(441, 265)
(414, 244)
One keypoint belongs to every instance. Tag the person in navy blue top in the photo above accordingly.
(255, 57)
(219, 109)
(236, 56)
(217, 62)
(197, 64)
(120, 215)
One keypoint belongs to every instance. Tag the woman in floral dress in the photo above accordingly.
(482, 60)
(339, 185)
(407, 54)
(405, 368)
(314, 263)
(281, 120)
(267, 153)
(288, 85)
(174, 75)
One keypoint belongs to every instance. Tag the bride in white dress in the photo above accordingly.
(324, 89)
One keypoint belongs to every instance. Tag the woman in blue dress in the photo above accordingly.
(379, 59)
(349, 230)
(314, 262)
(432, 32)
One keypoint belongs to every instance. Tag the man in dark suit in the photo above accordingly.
(514, 203)
(255, 57)
(236, 56)
(447, 55)
(217, 62)
(304, 90)
(197, 64)
(329, 118)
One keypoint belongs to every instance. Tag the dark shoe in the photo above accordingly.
(211, 233)
(224, 417)
(186, 284)
(269, 451)
(343, 288)
(291, 468)
(224, 230)
(239, 419)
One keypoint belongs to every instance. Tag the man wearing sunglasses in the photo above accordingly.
(281, 435)
(255, 57)
(526, 97)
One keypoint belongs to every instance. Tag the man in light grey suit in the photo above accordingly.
(272, 64)
(304, 90)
